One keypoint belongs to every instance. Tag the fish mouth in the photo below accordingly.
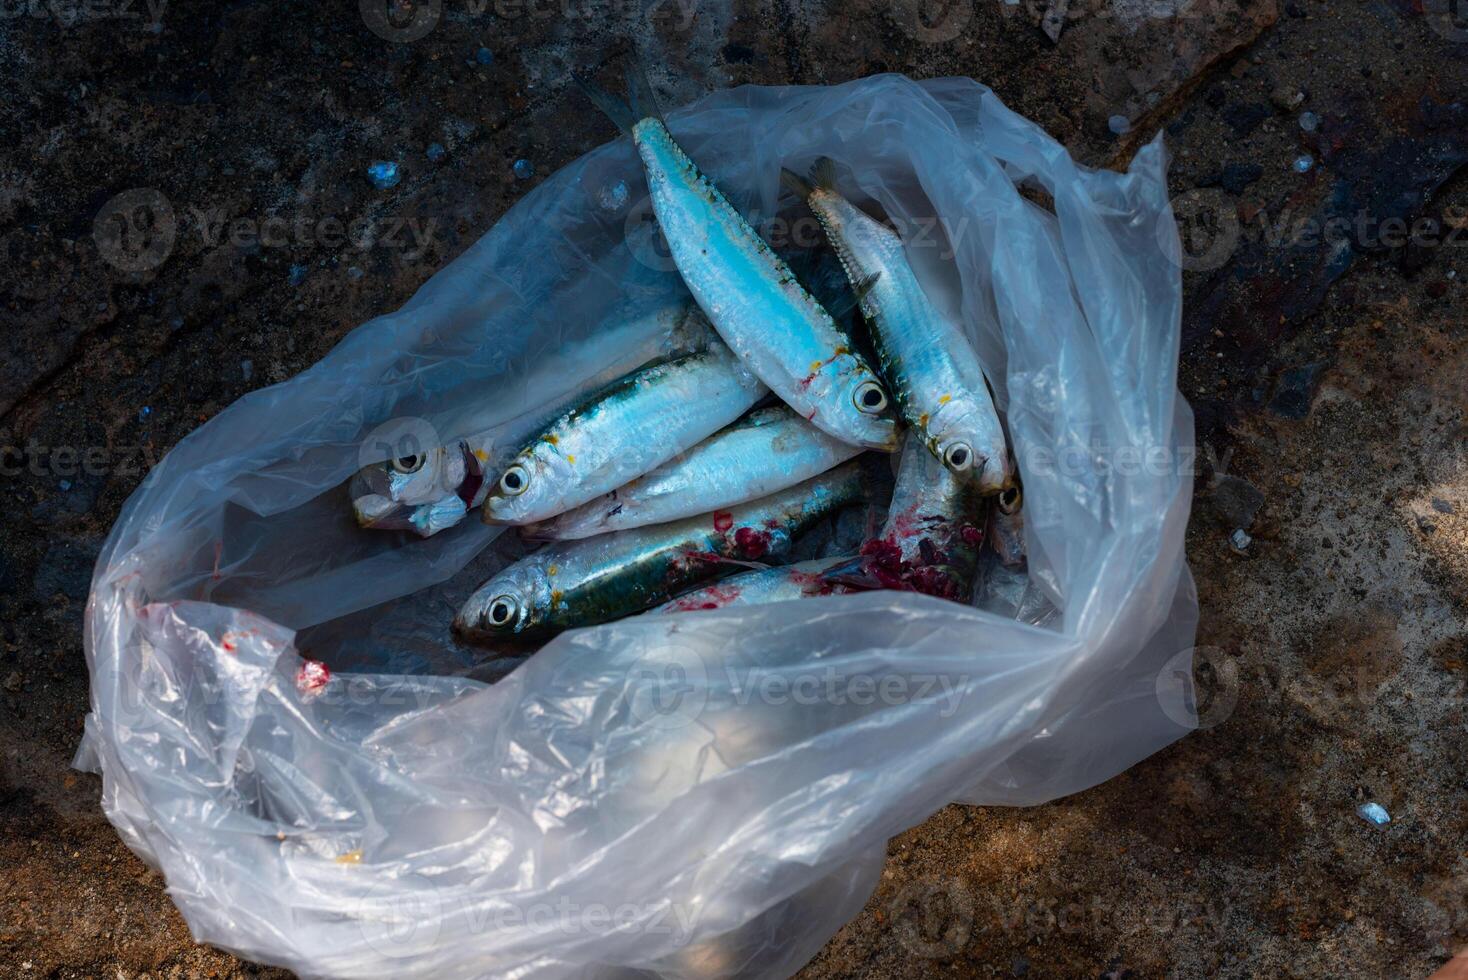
(376, 512)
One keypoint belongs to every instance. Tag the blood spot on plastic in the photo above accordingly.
(723, 520)
(312, 677)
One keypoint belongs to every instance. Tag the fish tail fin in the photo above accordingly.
(796, 184)
(614, 108)
(639, 89)
(853, 574)
(823, 174)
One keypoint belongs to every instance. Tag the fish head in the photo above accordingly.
(854, 404)
(423, 492)
(1007, 526)
(966, 436)
(532, 488)
(515, 601)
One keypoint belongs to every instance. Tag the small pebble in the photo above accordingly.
(615, 197)
(1424, 525)
(1240, 540)
(484, 56)
(65, 485)
(1373, 813)
(1119, 125)
(297, 275)
(247, 369)
(524, 169)
(1303, 163)
(354, 273)
(143, 413)
(1309, 122)
(383, 174)
(1442, 506)
(435, 152)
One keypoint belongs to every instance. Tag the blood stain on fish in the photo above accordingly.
(723, 520)
(751, 543)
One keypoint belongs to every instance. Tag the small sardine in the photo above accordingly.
(594, 580)
(622, 432)
(932, 369)
(750, 294)
(768, 450)
(934, 531)
(429, 489)
(802, 580)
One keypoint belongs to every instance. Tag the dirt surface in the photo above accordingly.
(1329, 374)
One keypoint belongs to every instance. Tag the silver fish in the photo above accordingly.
(750, 294)
(429, 488)
(802, 580)
(932, 369)
(768, 450)
(934, 531)
(594, 580)
(628, 428)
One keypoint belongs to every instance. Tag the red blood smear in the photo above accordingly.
(752, 543)
(312, 676)
(884, 562)
(932, 581)
(971, 536)
(723, 520)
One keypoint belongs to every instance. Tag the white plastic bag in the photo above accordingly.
(702, 795)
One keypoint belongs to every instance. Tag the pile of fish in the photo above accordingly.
(684, 484)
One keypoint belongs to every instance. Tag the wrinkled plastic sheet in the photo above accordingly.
(704, 795)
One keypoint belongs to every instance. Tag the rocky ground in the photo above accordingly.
(1328, 370)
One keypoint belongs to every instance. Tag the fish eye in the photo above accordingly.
(409, 464)
(1010, 499)
(502, 609)
(958, 456)
(869, 398)
(515, 480)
